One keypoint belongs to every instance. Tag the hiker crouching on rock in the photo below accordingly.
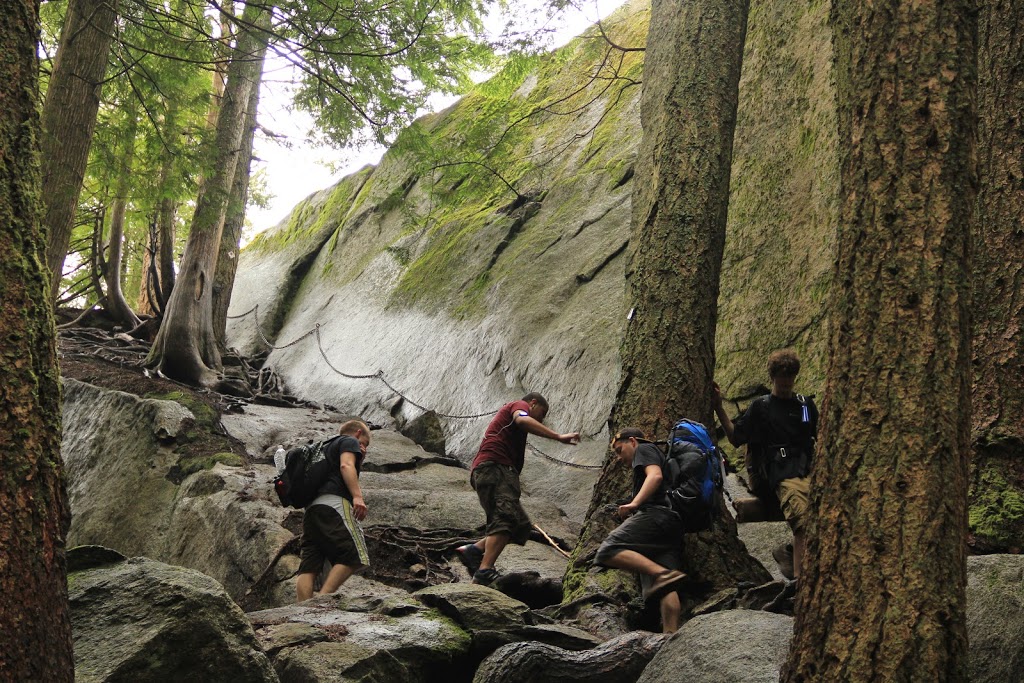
(649, 541)
(330, 524)
(495, 478)
(780, 429)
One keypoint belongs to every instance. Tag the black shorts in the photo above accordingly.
(655, 532)
(327, 536)
(497, 487)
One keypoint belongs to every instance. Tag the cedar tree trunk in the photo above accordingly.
(680, 201)
(185, 348)
(997, 482)
(882, 591)
(69, 120)
(35, 623)
(227, 260)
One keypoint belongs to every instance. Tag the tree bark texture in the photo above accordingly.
(69, 120)
(234, 221)
(680, 202)
(882, 589)
(35, 623)
(997, 477)
(185, 347)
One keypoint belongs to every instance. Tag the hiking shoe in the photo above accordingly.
(783, 555)
(470, 556)
(485, 577)
(663, 583)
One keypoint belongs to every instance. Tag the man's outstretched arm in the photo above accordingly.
(537, 428)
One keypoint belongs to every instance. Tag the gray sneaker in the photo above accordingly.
(783, 555)
(485, 577)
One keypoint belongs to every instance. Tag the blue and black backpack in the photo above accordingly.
(695, 475)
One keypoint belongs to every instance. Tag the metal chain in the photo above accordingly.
(379, 375)
(562, 462)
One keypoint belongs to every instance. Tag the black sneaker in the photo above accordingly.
(470, 556)
(485, 577)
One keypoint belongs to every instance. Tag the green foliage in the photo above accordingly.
(377, 62)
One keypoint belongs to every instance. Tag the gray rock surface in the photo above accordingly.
(117, 462)
(475, 607)
(724, 647)
(330, 639)
(760, 538)
(141, 620)
(995, 617)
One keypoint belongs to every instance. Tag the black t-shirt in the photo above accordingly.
(335, 485)
(774, 421)
(649, 454)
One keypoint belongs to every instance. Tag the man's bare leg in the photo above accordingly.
(670, 609)
(493, 545)
(634, 562)
(304, 586)
(799, 541)
(338, 575)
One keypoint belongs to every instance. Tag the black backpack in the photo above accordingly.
(695, 475)
(305, 470)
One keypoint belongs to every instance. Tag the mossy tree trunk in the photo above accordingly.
(186, 348)
(882, 591)
(997, 481)
(234, 221)
(680, 201)
(35, 639)
(69, 119)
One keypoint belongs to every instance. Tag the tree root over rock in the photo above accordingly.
(619, 660)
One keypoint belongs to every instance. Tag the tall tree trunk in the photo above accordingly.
(69, 120)
(227, 260)
(35, 639)
(997, 482)
(882, 588)
(116, 305)
(185, 347)
(680, 201)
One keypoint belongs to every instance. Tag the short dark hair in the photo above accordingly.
(629, 433)
(534, 396)
(783, 363)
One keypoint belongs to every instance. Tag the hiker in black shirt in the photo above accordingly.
(649, 541)
(780, 429)
(330, 524)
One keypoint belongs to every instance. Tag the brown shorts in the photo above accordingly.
(327, 535)
(793, 498)
(497, 487)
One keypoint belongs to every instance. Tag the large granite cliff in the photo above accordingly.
(482, 258)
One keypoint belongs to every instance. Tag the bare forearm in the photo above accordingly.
(351, 479)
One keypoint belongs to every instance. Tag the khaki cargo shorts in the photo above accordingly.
(794, 499)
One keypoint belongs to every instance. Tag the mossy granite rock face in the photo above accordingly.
(140, 620)
(467, 294)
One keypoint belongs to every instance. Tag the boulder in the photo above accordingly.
(995, 617)
(724, 647)
(475, 607)
(426, 430)
(141, 620)
(333, 638)
(117, 458)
